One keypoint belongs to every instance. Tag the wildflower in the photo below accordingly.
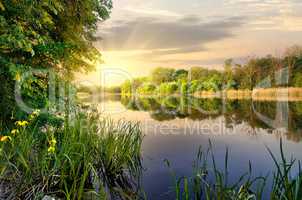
(5, 138)
(34, 114)
(52, 145)
(52, 142)
(22, 123)
(51, 149)
(17, 77)
(14, 131)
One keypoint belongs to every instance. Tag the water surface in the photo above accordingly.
(175, 128)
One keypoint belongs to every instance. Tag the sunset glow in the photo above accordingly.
(141, 35)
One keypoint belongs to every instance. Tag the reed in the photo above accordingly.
(210, 183)
(91, 156)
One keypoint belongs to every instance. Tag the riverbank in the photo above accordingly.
(259, 94)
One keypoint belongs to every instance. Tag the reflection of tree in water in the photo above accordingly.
(234, 111)
(295, 119)
(129, 103)
(207, 106)
(239, 111)
(172, 107)
(163, 115)
(242, 111)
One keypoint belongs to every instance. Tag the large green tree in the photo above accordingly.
(162, 75)
(46, 34)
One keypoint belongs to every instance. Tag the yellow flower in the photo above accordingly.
(14, 131)
(36, 112)
(18, 77)
(52, 142)
(22, 123)
(52, 145)
(5, 138)
(51, 149)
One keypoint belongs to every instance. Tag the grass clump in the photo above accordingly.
(90, 157)
(210, 183)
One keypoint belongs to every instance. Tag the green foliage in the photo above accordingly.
(284, 186)
(72, 161)
(195, 86)
(257, 72)
(54, 35)
(197, 72)
(126, 88)
(162, 75)
(228, 71)
(297, 79)
(168, 88)
(180, 74)
(243, 77)
(130, 87)
(146, 88)
(184, 88)
(230, 84)
(213, 83)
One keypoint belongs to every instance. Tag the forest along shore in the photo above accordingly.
(259, 94)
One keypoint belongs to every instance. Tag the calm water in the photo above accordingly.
(174, 129)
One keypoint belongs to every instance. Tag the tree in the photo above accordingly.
(54, 35)
(126, 88)
(293, 60)
(146, 88)
(162, 75)
(180, 74)
(197, 73)
(228, 71)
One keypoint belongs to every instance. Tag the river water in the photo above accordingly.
(175, 128)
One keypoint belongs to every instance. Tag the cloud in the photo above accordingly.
(270, 14)
(175, 32)
(180, 35)
(149, 11)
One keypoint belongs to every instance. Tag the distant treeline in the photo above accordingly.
(257, 72)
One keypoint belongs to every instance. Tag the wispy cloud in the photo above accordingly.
(186, 34)
(197, 32)
(282, 15)
(152, 12)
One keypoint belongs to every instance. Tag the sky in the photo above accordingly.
(142, 35)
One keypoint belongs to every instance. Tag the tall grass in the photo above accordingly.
(90, 157)
(210, 183)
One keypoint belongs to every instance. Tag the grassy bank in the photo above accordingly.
(89, 156)
(261, 94)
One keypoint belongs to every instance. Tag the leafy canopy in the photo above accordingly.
(46, 34)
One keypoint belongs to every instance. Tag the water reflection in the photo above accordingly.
(175, 127)
(271, 116)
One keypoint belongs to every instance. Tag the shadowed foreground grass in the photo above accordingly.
(96, 158)
(210, 183)
(90, 158)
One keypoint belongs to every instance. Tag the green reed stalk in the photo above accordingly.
(91, 156)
